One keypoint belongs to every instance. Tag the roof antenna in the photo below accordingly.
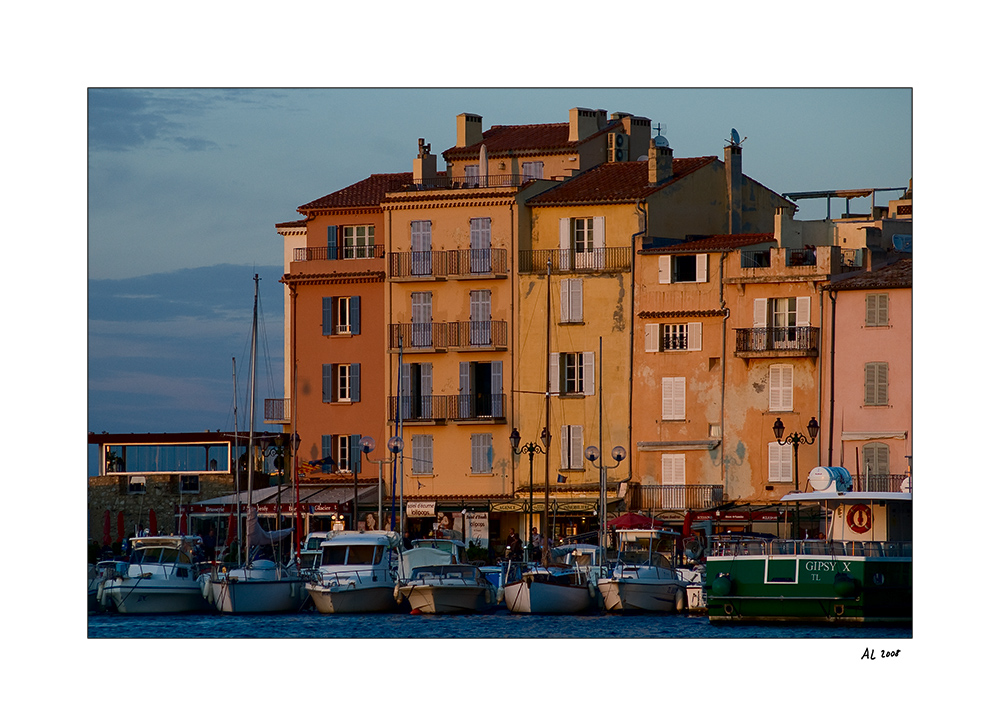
(735, 140)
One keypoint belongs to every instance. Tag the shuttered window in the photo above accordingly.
(875, 459)
(571, 300)
(422, 446)
(780, 379)
(342, 315)
(673, 399)
(877, 310)
(877, 384)
(482, 453)
(571, 448)
(662, 337)
(672, 469)
(779, 462)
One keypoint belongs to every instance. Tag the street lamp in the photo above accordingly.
(395, 446)
(368, 446)
(795, 439)
(593, 455)
(531, 448)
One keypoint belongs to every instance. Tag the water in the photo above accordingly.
(497, 624)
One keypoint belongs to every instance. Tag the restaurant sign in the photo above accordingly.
(421, 509)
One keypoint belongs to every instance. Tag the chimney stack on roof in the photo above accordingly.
(661, 161)
(583, 122)
(425, 165)
(734, 179)
(470, 130)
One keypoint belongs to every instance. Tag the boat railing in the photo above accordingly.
(834, 548)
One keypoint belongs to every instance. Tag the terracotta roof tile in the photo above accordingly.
(366, 193)
(525, 137)
(623, 181)
(712, 243)
(896, 275)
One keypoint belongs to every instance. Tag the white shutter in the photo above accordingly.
(780, 389)
(576, 447)
(652, 337)
(760, 312)
(554, 373)
(664, 269)
(598, 233)
(702, 264)
(564, 312)
(694, 336)
(576, 300)
(564, 233)
(802, 308)
(779, 462)
(564, 448)
(588, 373)
(672, 469)
(672, 402)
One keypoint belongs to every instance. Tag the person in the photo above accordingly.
(208, 541)
(515, 549)
(536, 544)
(370, 522)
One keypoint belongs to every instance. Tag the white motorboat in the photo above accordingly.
(162, 577)
(355, 573)
(643, 579)
(568, 585)
(432, 551)
(99, 574)
(459, 588)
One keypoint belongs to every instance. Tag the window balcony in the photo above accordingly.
(777, 342)
(457, 335)
(605, 259)
(478, 335)
(477, 407)
(418, 337)
(338, 252)
(882, 483)
(466, 264)
(418, 408)
(435, 409)
(418, 265)
(478, 264)
(277, 410)
(641, 497)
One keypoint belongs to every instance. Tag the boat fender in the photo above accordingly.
(590, 589)
(844, 585)
(722, 585)
(100, 595)
(397, 594)
(207, 592)
(500, 596)
(680, 598)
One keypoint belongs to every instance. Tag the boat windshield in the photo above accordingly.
(658, 559)
(353, 554)
(155, 555)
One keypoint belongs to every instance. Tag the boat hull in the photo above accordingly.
(534, 596)
(439, 599)
(809, 588)
(352, 599)
(139, 596)
(233, 595)
(634, 595)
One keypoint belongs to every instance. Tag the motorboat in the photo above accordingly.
(643, 578)
(859, 572)
(567, 585)
(162, 576)
(355, 572)
(99, 574)
(431, 551)
(453, 588)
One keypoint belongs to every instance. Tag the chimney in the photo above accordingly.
(425, 165)
(638, 130)
(470, 129)
(734, 181)
(582, 123)
(661, 163)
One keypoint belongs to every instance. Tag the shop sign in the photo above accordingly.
(421, 509)
(477, 527)
(507, 507)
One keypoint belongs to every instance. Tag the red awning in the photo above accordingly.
(632, 520)
(106, 539)
(152, 523)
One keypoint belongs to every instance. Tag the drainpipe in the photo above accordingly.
(639, 209)
(722, 418)
(833, 339)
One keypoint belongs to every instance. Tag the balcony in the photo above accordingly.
(338, 252)
(438, 337)
(673, 496)
(442, 264)
(277, 410)
(605, 259)
(793, 342)
(476, 264)
(418, 265)
(463, 407)
(474, 181)
(882, 483)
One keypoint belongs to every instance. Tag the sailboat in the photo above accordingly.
(262, 584)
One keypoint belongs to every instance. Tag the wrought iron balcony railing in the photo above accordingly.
(433, 263)
(605, 259)
(277, 410)
(463, 407)
(802, 340)
(673, 496)
(490, 262)
(338, 252)
(420, 336)
(800, 257)
(433, 337)
(882, 483)
(418, 408)
(470, 182)
(486, 262)
(478, 334)
(470, 406)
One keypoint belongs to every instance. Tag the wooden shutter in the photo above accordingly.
(327, 382)
(780, 380)
(554, 382)
(331, 242)
(496, 388)
(564, 448)
(877, 309)
(760, 312)
(702, 267)
(355, 314)
(802, 308)
(664, 262)
(576, 300)
(876, 384)
(672, 399)
(652, 337)
(779, 462)
(564, 301)
(672, 469)
(694, 336)
(355, 381)
(464, 390)
(355, 457)
(328, 316)
(588, 373)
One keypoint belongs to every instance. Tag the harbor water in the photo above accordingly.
(498, 624)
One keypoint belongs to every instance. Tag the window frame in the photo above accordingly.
(877, 310)
(422, 446)
(780, 463)
(876, 383)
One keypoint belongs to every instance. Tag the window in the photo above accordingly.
(480, 316)
(422, 446)
(571, 450)
(137, 485)
(782, 317)
(420, 314)
(672, 336)
(340, 452)
(779, 381)
(532, 170)
(877, 384)
(877, 310)
(341, 382)
(190, 484)
(480, 240)
(672, 408)
(672, 469)
(416, 388)
(571, 373)
(342, 315)
(875, 460)
(359, 242)
(755, 258)
(683, 268)
(482, 453)
(420, 248)
(571, 300)
(581, 243)
(779, 462)
(480, 389)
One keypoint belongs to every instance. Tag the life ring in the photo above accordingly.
(859, 518)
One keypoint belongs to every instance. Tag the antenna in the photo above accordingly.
(734, 138)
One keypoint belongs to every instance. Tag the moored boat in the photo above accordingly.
(861, 571)
(437, 589)
(161, 577)
(643, 578)
(567, 585)
(355, 573)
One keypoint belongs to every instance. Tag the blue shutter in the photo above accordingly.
(326, 450)
(327, 382)
(355, 452)
(355, 315)
(496, 386)
(331, 242)
(328, 316)
(355, 381)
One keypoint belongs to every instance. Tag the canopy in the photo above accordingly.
(257, 535)
(633, 520)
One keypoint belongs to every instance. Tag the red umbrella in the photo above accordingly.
(121, 525)
(686, 531)
(106, 540)
(183, 524)
(230, 529)
(152, 522)
(632, 520)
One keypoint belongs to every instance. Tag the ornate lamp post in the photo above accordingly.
(395, 446)
(368, 446)
(593, 455)
(795, 439)
(531, 448)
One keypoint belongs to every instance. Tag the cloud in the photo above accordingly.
(124, 119)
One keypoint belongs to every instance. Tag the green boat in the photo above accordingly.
(860, 573)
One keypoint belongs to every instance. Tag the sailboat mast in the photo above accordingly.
(253, 393)
(236, 457)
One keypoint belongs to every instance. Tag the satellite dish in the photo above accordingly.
(734, 135)
(661, 141)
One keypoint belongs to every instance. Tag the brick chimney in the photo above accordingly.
(583, 122)
(661, 163)
(734, 180)
(425, 165)
(638, 130)
(470, 129)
